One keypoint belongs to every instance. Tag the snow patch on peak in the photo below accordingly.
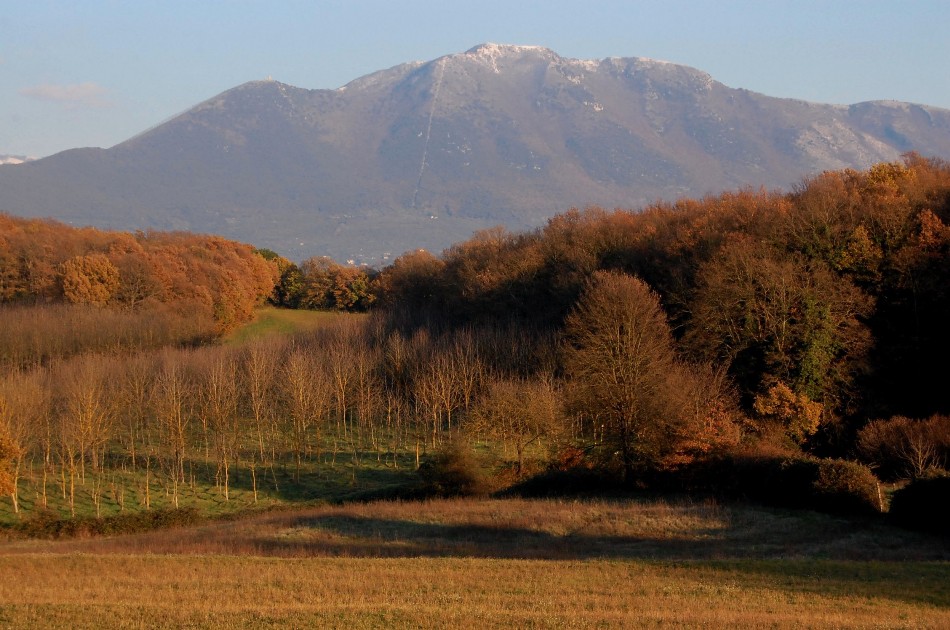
(491, 49)
(647, 61)
(491, 53)
(590, 65)
(673, 71)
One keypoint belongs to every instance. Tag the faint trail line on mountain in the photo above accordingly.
(425, 146)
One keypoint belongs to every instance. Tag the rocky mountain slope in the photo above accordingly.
(422, 154)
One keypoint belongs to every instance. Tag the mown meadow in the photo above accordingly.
(490, 563)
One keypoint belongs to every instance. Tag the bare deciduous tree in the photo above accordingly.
(24, 404)
(619, 354)
(519, 413)
(171, 402)
(260, 368)
(88, 406)
(305, 390)
(217, 387)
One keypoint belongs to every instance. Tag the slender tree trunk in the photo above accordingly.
(44, 497)
(15, 492)
(97, 495)
(148, 483)
(254, 481)
(72, 486)
(132, 441)
(227, 479)
(260, 437)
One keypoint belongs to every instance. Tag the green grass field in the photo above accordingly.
(322, 479)
(281, 321)
(488, 563)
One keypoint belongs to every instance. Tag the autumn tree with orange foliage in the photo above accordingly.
(91, 279)
(211, 279)
(792, 414)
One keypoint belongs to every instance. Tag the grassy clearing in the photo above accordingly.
(498, 563)
(269, 320)
(321, 480)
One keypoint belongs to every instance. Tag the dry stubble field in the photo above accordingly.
(490, 563)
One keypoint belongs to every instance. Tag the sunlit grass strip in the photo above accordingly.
(205, 591)
(269, 321)
(528, 529)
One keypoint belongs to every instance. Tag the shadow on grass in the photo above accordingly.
(342, 534)
(731, 551)
(318, 479)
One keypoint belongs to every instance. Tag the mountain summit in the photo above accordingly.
(422, 154)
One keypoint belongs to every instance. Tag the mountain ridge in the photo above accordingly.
(423, 153)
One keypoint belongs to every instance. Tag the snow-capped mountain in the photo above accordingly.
(422, 154)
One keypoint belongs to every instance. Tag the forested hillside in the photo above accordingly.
(752, 344)
(837, 290)
(812, 321)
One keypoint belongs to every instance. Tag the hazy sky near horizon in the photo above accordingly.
(96, 72)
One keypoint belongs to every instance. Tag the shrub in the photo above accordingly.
(794, 481)
(454, 471)
(48, 524)
(573, 482)
(924, 505)
(7, 452)
(844, 486)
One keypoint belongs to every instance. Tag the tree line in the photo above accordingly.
(826, 306)
(65, 290)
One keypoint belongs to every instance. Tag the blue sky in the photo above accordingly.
(95, 72)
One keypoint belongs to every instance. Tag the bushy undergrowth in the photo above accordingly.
(455, 471)
(47, 524)
(776, 479)
(793, 481)
(924, 505)
(574, 482)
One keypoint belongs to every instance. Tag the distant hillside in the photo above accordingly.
(423, 154)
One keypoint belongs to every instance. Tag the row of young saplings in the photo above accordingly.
(272, 406)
